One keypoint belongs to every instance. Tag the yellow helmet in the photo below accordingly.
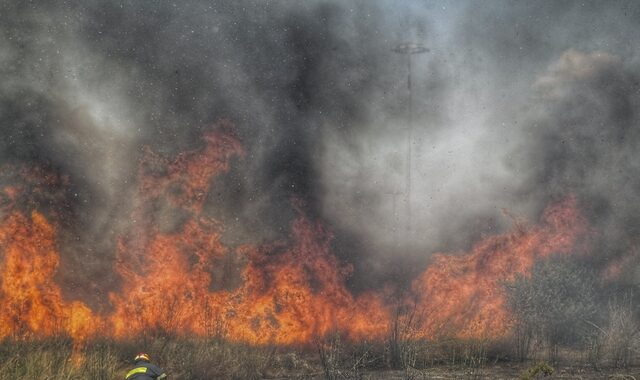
(142, 356)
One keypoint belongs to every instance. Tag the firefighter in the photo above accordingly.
(145, 370)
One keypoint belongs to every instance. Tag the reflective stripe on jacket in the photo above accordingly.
(145, 371)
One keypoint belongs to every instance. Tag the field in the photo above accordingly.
(191, 359)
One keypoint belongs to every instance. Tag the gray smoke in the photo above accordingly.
(514, 106)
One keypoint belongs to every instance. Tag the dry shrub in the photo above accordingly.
(459, 352)
(541, 369)
(330, 352)
(550, 306)
(214, 359)
(620, 336)
(101, 362)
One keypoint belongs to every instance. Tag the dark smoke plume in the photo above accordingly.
(514, 106)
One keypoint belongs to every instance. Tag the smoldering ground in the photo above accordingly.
(514, 106)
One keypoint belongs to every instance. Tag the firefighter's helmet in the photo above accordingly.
(142, 356)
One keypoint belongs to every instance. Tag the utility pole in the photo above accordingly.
(409, 49)
(394, 212)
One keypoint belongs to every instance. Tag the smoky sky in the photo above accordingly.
(515, 105)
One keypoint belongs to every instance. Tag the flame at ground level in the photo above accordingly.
(290, 292)
(463, 295)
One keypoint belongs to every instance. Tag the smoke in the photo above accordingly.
(539, 103)
(514, 105)
(585, 139)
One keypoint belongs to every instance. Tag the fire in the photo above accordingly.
(463, 294)
(289, 292)
(185, 181)
(300, 294)
(30, 301)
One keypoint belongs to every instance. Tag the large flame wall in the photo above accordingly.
(290, 292)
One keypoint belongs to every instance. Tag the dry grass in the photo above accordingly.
(183, 359)
(56, 359)
(329, 358)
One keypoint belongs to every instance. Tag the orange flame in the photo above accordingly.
(288, 292)
(30, 301)
(464, 294)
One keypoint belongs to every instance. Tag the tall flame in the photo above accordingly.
(463, 294)
(31, 302)
(288, 292)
